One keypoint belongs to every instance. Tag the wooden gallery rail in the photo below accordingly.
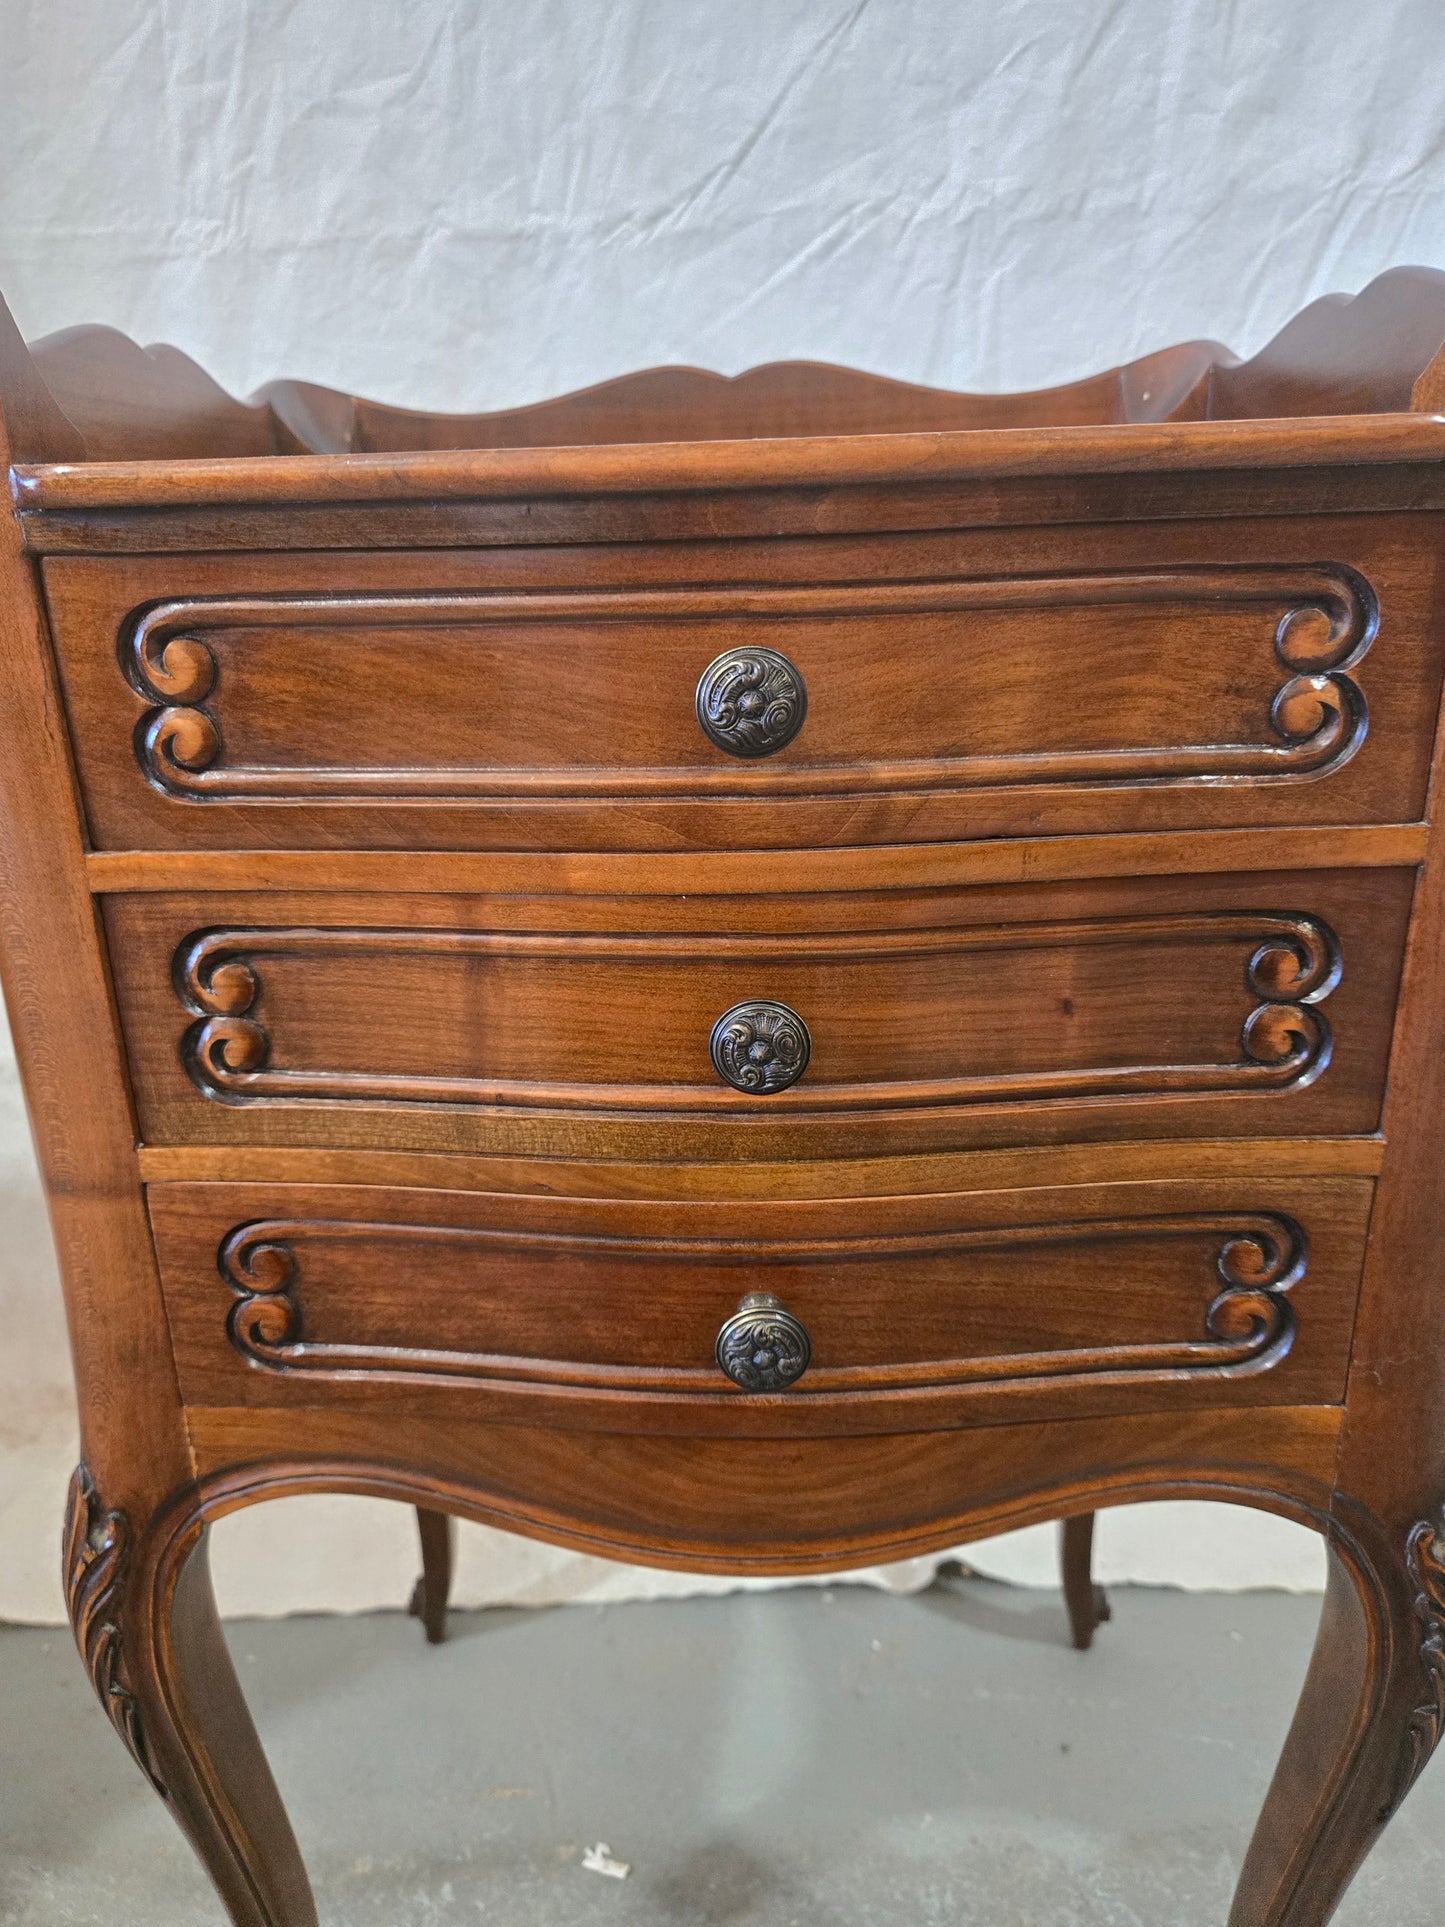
(756, 974)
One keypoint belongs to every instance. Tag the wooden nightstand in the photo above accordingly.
(759, 975)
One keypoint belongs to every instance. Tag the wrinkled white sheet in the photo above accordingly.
(480, 204)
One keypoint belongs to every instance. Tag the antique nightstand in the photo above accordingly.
(758, 974)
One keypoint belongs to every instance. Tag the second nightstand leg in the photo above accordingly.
(1087, 1604)
(431, 1592)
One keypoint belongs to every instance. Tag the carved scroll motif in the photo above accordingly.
(1284, 1043)
(97, 1550)
(1248, 1326)
(1425, 1563)
(1316, 711)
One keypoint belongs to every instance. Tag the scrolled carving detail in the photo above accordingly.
(1251, 1316)
(1291, 963)
(171, 668)
(1248, 1326)
(760, 1047)
(1299, 963)
(1319, 711)
(751, 702)
(96, 1562)
(1332, 630)
(1270, 1254)
(262, 1272)
(227, 1045)
(223, 1050)
(177, 742)
(1291, 1038)
(1425, 1564)
(1291, 973)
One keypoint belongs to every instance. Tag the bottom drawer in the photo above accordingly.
(865, 1315)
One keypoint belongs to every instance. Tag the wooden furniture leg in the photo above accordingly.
(1368, 1718)
(1087, 1604)
(438, 1553)
(145, 1620)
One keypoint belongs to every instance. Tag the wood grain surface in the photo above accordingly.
(375, 874)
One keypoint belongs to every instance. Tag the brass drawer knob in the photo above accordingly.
(751, 702)
(760, 1047)
(763, 1348)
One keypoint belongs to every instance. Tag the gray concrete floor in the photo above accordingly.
(821, 1758)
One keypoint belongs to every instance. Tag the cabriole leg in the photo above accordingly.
(1368, 1719)
(1087, 1604)
(431, 1592)
(145, 1620)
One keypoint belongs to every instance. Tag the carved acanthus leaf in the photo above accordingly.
(97, 1552)
(1425, 1563)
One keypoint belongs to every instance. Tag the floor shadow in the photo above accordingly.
(477, 1622)
(990, 1606)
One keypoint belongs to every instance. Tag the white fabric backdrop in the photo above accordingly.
(480, 205)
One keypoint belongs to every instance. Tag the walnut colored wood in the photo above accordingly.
(1011, 690)
(1087, 1604)
(730, 873)
(438, 1552)
(380, 845)
(795, 1178)
(1111, 1009)
(933, 1310)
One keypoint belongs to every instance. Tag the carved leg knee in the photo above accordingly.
(1369, 1717)
(144, 1615)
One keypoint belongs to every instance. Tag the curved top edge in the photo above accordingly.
(93, 396)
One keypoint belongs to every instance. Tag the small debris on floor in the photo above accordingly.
(599, 1859)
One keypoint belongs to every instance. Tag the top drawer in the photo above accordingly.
(851, 692)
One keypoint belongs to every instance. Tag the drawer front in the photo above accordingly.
(893, 1313)
(589, 702)
(1229, 1004)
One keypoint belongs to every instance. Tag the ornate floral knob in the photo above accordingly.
(751, 702)
(763, 1348)
(760, 1047)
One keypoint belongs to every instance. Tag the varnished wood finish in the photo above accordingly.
(437, 1531)
(923, 1312)
(983, 1017)
(1087, 1604)
(374, 878)
(1369, 355)
(793, 1178)
(926, 866)
(1034, 680)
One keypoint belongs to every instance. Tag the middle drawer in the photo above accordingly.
(771, 1026)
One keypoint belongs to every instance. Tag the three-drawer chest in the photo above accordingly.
(756, 974)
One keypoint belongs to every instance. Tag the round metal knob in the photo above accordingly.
(763, 1348)
(760, 1047)
(751, 702)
